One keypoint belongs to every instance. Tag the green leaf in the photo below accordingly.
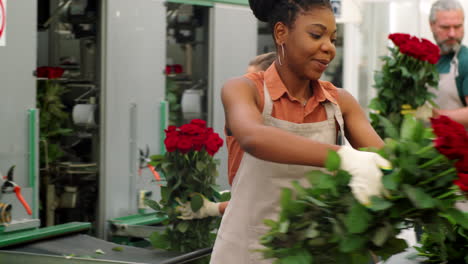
(152, 204)
(315, 201)
(159, 240)
(301, 191)
(284, 226)
(119, 249)
(300, 256)
(418, 197)
(357, 220)
(389, 128)
(200, 165)
(392, 247)
(459, 217)
(351, 243)
(314, 176)
(379, 204)
(326, 182)
(382, 234)
(332, 163)
(312, 231)
(196, 202)
(165, 192)
(183, 226)
(412, 129)
(376, 105)
(270, 223)
(392, 180)
(286, 196)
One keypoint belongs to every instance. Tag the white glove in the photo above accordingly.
(364, 168)
(424, 112)
(208, 209)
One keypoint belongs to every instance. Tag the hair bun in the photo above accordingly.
(262, 8)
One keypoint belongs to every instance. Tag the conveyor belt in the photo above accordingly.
(85, 246)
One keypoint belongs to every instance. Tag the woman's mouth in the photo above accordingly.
(322, 64)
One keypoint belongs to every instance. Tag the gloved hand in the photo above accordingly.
(424, 112)
(208, 208)
(364, 168)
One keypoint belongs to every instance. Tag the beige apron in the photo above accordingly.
(447, 95)
(257, 186)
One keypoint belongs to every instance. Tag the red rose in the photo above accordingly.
(462, 163)
(199, 141)
(421, 49)
(184, 144)
(191, 129)
(213, 143)
(399, 38)
(171, 143)
(462, 181)
(198, 122)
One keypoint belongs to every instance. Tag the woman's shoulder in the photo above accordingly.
(250, 81)
(330, 90)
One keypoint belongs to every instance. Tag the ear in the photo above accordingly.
(280, 32)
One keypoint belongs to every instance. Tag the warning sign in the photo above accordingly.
(2, 22)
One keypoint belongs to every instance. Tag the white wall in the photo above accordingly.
(233, 40)
(133, 85)
(17, 95)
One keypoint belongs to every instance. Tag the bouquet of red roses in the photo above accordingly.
(449, 243)
(452, 141)
(194, 136)
(324, 223)
(403, 82)
(190, 172)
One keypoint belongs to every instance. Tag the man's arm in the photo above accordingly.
(459, 115)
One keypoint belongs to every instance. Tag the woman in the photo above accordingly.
(285, 121)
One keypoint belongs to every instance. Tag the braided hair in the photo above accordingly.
(285, 11)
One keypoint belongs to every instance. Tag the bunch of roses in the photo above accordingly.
(193, 136)
(49, 72)
(452, 142)
(421, 49)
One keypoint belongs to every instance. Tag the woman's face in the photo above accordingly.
(310, 43)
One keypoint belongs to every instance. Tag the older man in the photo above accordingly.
(446, 21)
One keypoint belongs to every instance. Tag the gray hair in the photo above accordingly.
(444, 5)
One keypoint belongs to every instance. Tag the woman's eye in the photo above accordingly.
(315, 36)
(333, 41)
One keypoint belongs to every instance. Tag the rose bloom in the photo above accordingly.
(462, 181)
(198, 122)
(191, 129)
(171, 143)
(213, 143)
(184, 144)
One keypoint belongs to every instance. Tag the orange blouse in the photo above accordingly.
(285, 107)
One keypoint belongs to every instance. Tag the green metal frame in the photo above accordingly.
(18, 237)
(163, 110)
(32, 142)
(139, 219)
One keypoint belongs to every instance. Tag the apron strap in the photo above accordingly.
(267, 102)
(334, 116)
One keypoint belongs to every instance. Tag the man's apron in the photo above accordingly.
(447, 97)
(257, 186)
